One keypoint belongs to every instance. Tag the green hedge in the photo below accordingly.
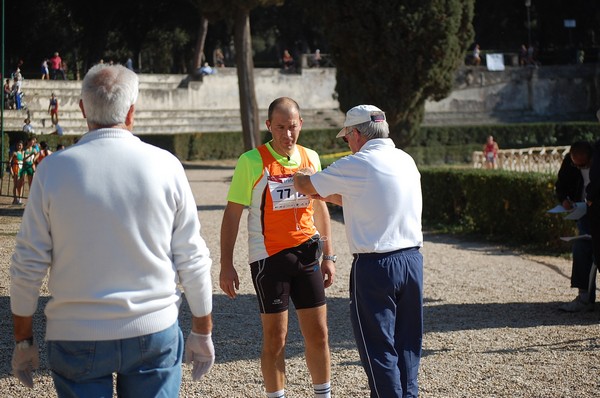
(520, 135)
(498, 205)
(433, 146)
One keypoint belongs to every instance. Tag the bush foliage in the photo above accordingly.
(498, 205)
(435, 145)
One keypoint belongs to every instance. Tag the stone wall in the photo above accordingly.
(549, 93)
(172, 103)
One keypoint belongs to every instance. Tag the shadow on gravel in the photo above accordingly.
(454, 317)
(210, 208)
(12, 211)
(468, 244)
(208, 166)
(237, 331)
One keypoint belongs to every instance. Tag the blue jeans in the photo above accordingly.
(146, 366)
(386, 310)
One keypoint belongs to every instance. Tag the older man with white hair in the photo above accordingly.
(113, 222)
(379, 188)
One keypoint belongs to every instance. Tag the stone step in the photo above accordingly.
(167, 122)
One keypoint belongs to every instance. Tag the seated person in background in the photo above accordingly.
(57, 130)
(27, 127)
(316, 59)
(206, 70)
(288, 60)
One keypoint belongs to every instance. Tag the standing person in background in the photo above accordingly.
(115, 253)
(44, 152)
(573, 179)
(56, 67)
(29, 156)
(523, 58)
(17, 92)
(8, 95)
(16, 164)
(285, 244)
(218, 58)
(53, 108)
(379, 187)
(476, 55)
(593, 200)
(45, 71)
(490, 153)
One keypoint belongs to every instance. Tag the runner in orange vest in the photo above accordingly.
(287, 234)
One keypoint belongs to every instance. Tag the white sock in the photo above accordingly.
(322, 390)
(276, 394)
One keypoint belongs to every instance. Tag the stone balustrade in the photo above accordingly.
(537, 159)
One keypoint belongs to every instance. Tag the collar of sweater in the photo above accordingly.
(107, 133)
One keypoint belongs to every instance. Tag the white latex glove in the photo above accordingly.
(26, 358)
(200, 351)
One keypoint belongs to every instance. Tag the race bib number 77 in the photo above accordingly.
(284, 195)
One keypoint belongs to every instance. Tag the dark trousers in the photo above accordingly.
(594, 214)
(583, 272)
(386, 310)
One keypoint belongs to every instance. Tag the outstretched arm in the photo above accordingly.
(304, 185)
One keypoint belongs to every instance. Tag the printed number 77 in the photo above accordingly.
(286, 190)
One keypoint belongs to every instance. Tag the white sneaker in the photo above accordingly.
(577, 306)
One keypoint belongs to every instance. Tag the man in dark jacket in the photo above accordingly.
(573, 177)
(593, 199)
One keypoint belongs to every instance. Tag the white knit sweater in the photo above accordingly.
(115, 223)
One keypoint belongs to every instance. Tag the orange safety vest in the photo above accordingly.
(286, 228)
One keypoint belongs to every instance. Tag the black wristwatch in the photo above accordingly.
(333, 257)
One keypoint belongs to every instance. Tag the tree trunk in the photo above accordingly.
(245, 72)
(199, 51)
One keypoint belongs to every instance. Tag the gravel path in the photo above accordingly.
(492, 328)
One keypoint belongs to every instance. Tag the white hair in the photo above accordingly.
(374, 129)
(108, 92)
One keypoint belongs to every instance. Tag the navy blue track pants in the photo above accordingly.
(386, 309)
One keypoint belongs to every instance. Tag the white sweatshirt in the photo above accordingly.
(114, 221)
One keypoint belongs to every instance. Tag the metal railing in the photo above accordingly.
(536, 159)
(7, 182)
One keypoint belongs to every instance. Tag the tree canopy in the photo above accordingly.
(397, 54)
(393, 53)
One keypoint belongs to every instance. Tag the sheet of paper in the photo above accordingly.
(558, 209)
(571, 238)
(579, 210)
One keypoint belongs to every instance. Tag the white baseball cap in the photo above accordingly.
(361, 114)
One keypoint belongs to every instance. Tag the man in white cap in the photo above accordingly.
(379, 187)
